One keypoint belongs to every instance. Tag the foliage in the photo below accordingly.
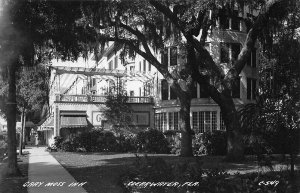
(3, 148)
(210, 143)
(152, 141)
(57, 142)
(174, 141)
(118, 111)
(156, 170)
(126, 143)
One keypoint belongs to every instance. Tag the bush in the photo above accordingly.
(173, 138)
(210, 143)
(126, 143)
(69, 146)
(96, 141)
(57, 142)
(152, 141)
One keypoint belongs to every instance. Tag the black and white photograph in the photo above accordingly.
(146, 96)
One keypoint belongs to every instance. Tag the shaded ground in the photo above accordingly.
(102, 170)
(15, 184)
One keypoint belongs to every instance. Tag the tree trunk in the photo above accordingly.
(21, 133)
(12, 167)
(185, 127)
(235, 146)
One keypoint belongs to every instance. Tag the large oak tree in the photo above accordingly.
(147, 26)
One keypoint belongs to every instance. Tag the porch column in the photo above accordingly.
(56, 121)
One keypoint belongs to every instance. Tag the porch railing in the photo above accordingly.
(97, 98)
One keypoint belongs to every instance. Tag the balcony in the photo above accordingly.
(97, 99)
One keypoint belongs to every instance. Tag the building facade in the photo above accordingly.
(77, 94)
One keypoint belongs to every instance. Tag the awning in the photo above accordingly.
(47, 125)
(73, 121)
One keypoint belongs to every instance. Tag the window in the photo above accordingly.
(235, 50)
(110, 65)
(149, 67)
(251, 61)
(171, 121)
(253, 57)
(224, 55)
(164, 90)
(116, 62)
(144, 65)
(176, 120)
(172, 94)
(94, 81)
(194, 90)
(222, 124)
(251, 88)
(140, 66)
(235, 23)
(131, 68)
(203, 93)
(164, 121)
(195, 122)
(173, 56)
(229, 51)
(157, 121)
(164, 57)
(224, 22)
(214, 120)
(203, 121)
(236, 88)
(160, 120)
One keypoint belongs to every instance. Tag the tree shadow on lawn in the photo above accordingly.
(102, 171)
(14, 184)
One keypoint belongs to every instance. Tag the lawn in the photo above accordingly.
(102, 170)
(14, 184)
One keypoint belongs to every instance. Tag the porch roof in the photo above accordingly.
(102, 73)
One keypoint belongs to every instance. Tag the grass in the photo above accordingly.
(102, 171)
(15, 184)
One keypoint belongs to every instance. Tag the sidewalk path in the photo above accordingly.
(46, 175)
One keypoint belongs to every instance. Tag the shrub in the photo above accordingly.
(173, 138)
(210, 143)
(69, 146)
(126, 143)
(57, 142)
(96, 141)
(152, 141)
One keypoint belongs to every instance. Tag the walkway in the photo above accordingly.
(46, 175)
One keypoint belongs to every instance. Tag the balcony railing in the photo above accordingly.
(97, 99)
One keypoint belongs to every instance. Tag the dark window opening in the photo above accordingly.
(144, 66)
(164, 90)
(172, 94)
(173, 56)
(194, 90)
(224, 22)
(164, 57)
(235, 23)
(116, 62)
(235, 50)
(203, 93)
(224, 52)
(253, 55)
(236, 88)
